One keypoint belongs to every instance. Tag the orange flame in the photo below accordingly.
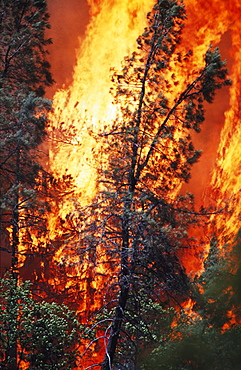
(226, 179)
(86, 106)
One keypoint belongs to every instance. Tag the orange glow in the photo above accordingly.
(87, 104)
(85, 108)
(232, 321)
(226, 179)
(213, 21)
(80, 112)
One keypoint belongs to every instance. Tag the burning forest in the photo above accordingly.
(120, 245)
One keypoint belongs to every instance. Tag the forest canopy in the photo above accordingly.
(118, 260)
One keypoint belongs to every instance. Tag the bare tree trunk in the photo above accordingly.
(124, 290)
(116, 326)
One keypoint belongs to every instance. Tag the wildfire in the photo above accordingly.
(86, 106)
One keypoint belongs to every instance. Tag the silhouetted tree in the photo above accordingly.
(24, 73)
(23, 52)
(139, 222)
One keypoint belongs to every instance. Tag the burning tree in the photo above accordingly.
(24, 73)
(140, 223)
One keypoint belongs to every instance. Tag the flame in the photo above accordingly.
(87, 104)
(226, 179)
(85, 107)
(81, 111)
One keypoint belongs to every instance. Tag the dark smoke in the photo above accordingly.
(68, 23)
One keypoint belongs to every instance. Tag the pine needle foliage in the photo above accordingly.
(44, 332)
(24, 74)
(23, 45)
(210, 337)
(140, 223)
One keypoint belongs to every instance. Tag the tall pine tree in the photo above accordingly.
(24, 74)
(139, 222)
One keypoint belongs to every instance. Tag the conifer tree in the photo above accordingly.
(23, 45)
(45, 333)
(139, 222)
(209, 337)
(24, 73)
